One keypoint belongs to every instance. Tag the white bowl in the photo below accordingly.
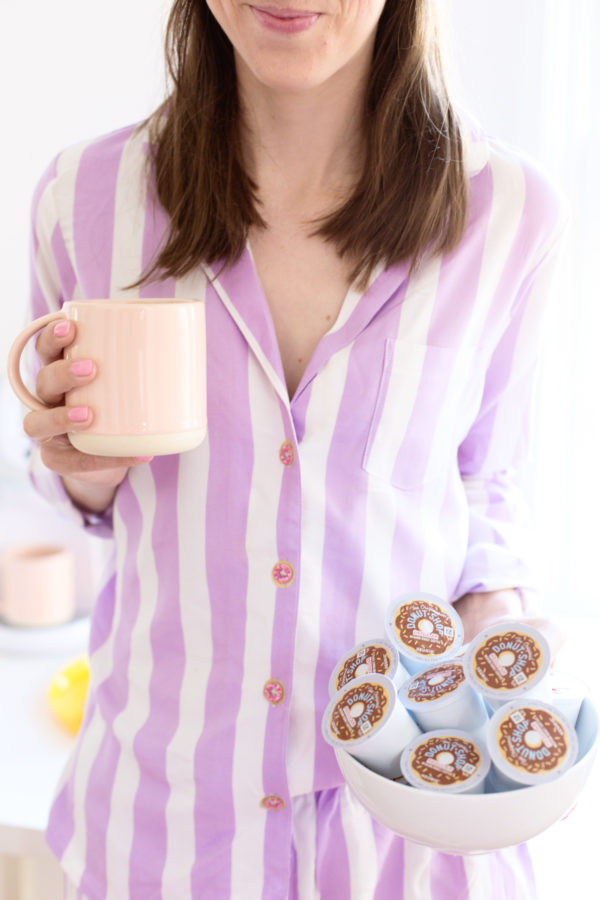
(474, 823)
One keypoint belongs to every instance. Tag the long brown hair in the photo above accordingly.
(409, 201)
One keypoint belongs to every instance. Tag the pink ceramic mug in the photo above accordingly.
(149, 395)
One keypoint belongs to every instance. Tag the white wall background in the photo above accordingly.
(69, 69)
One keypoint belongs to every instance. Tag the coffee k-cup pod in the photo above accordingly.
(568, 692)
(367, 720)
(377, 656)
(424, 628)
(530, 742)
(440, 697)
(447, 760)
(508, 661)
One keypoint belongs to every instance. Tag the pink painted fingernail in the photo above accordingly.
(82, 367)
(78, 413)
(61, 329)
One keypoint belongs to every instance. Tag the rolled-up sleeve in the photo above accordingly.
(496, 455)
(53, 280)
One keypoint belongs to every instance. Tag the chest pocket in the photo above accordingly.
(425, 397)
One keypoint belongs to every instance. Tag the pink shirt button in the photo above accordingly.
(273, 691)
(282, 573)
(272, 801)
(286, 453)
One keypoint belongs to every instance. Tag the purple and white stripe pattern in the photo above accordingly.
(244, 571)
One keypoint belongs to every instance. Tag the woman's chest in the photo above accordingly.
(305, 283)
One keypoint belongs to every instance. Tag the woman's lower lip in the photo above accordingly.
(284, 24)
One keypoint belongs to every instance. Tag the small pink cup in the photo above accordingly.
(37, 585)
(149, 395)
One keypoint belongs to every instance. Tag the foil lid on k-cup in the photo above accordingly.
(366, 719)
(424, 628)
(433, 685)
(507, 661)
(440, 697)
(446, 760)
(530, 742)
(377, 656)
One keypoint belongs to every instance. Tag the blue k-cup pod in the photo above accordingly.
(446, 760)
(367, 720)
(530, 742)
(509, 661)
(568, 692)
(377, 656)
(425, 630)
(440, 697)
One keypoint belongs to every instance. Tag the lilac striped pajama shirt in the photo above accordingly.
(245, 568)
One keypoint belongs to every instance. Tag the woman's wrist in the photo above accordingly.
(89, 496)
(479, 610)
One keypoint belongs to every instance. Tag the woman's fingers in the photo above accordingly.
(53, 339)
(42, 425)
(479, 611)
(49, 427)
(552, 629)
(60, 376)
(59, 455)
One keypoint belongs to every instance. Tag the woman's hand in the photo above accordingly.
(478, 611)
(90, 480)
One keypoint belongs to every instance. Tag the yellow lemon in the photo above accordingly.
(67, 693)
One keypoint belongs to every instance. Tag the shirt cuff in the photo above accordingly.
(51, 487)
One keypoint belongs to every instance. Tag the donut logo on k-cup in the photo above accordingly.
(368, 659)
(445, 759)
(423, 627)
(358, 711)
(367, 720)
(533, 740)
(530, 742)
(435, 683)
(507, 660)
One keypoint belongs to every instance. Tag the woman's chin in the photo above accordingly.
(281, 76)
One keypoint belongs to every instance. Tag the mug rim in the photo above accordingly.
(27, 551)
(134, 301)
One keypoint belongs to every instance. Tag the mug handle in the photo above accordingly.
(13, 366)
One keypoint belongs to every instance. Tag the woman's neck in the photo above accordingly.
(304, 147)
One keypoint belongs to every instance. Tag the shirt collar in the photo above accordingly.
(476, 149)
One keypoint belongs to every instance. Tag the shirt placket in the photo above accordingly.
(276, 692)
(242, 294)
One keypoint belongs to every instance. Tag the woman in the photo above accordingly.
(374, 274)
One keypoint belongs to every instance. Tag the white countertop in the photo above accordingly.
(34, 746)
